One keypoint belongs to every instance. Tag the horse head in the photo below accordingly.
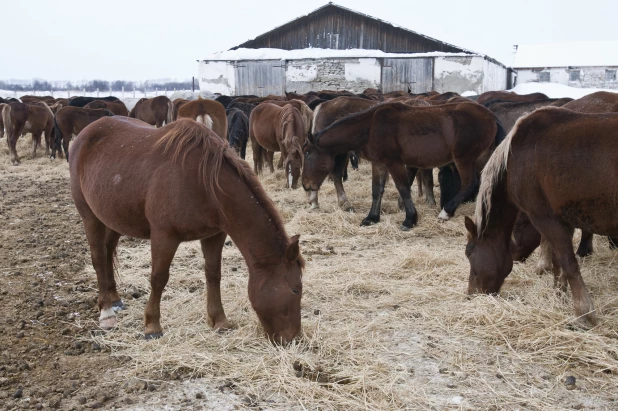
(292, 165)
(490, 260)
(317, 165)
(275, 296)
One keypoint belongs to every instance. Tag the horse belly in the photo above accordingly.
(427, 152)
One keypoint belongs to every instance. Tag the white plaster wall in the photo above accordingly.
(217, 77)
(458, 74)
(365, 69)
(305, 72)
(495, 76)
(557, 75)
(590, 77)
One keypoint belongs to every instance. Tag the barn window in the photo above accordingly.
(610, 75)
(574, 75)
(544, 77)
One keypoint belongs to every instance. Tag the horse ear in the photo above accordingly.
(471, 227)
(293, 251)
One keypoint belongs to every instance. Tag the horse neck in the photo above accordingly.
(289, 126)
(499, 222)
(347, 134)
(253, 223)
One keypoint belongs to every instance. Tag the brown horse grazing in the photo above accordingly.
(117, 107)
(536, 172)
(154, 111)
(303, 108)
(273, 128)
(183, 183)
(211, 113)
(176, 104)
(70, 121)
(396, 135)
(509, 96)
(20, 118)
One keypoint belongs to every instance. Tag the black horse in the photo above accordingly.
(237, 130)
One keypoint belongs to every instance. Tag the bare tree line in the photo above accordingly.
(102, 85)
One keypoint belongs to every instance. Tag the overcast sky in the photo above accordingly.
(139, 40)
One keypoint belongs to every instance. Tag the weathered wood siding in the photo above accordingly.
(334, 27)
(260, 78)
(401, 73)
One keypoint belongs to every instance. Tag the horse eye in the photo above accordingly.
(307, 154)
(294, 290)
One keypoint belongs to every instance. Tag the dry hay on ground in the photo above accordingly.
(386, 323)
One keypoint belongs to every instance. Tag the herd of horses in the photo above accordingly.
(538, 168)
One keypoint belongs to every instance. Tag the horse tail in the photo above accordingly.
(500, 134)
(8, 124)
(170, 112)
(258, 151)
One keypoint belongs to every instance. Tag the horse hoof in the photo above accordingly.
(118, 306)
(348, 209)
(403, 227)
(367, 222)
(314, 206)
(153, 336)
(223, 327)
(108, 323)
(443, 216)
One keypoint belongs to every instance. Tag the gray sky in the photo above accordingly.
(139, 40)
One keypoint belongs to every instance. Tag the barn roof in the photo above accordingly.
(384, 28)
(574, 54)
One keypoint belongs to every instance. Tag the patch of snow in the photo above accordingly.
(456, 400)
(578, 54)
(313, 53)
(553, 90)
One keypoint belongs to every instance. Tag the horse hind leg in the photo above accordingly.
(585, 244)
(341, 164)
(36, 142)
(111, 242)
(403, 177)
(163, 246)
(427, 185)
(212, 249)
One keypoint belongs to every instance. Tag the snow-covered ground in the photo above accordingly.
(553, 90)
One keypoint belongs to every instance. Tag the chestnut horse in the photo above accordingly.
(182, 183)
(509, 96)
(154, 111)
(20, 118)
(211, 113)
(70, 121)
(333, 110)
(301, 106)
(273, 128)
(395, 135)
(176, 104)
(556, 166)
(117, 107)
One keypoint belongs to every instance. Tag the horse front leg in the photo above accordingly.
(561, 239)
(36, 142)
(212, 249)
(379, 175)
(341, 164)
(469, 188)
(163, 246)
(403, 178)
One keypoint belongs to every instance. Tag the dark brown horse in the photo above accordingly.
(211, 113)
(509, 96)
(396, 135)
(508, 112)
(535, 171)
(183, 183)
(273, 128)
(20, 118)
(70, 121)
(176, 104)
(117, 107)
(154, 111)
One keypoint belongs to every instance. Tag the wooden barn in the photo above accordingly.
(576, 64)
(337, 48)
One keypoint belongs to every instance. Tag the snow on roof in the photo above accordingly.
(576, 54)
(553, 90)
(312, 53)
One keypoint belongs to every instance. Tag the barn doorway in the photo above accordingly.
(403, 73)
(260, 78)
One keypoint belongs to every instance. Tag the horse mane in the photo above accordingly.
(287, 127)
(186, 135)
(494, 171)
